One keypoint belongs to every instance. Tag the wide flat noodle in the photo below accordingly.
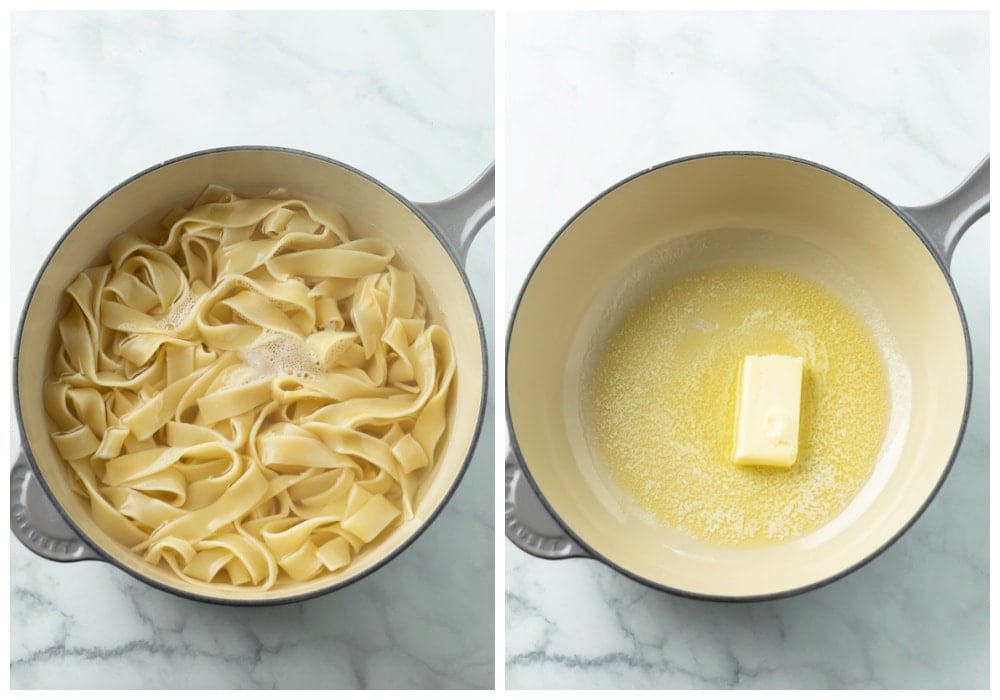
(251, 398)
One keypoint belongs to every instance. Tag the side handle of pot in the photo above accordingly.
(528, 522)
(459, 218)
(944, 221)
(37, 523)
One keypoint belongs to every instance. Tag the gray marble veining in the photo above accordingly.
(405, 97)
(898, 101)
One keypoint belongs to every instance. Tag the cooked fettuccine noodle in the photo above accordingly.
(252, 397)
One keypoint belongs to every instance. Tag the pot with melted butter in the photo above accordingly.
(623, 356)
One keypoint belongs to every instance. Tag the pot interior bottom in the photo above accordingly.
(725, 249)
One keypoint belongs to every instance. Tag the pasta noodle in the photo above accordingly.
(252, 398)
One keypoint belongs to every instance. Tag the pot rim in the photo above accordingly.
(26, 447)
(921, 236)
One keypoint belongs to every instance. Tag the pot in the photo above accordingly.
(432, 238)
(723, 207)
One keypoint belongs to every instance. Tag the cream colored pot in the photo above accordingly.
(432, 240)
(734, 207)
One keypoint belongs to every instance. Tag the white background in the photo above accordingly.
(897, 101)
(406, 98)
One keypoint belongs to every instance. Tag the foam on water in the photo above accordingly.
(276, 354)
(179, 313)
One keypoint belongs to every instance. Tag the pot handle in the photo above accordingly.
(529, 524)
(944, 221)
(459, 218)
(37, 523)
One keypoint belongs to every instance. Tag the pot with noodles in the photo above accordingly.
(249, 399)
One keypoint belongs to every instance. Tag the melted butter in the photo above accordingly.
(664, 394)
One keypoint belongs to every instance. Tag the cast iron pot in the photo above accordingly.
(722, 208)
(432, 239)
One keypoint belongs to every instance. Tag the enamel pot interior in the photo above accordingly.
(731, 208)
(370, 210)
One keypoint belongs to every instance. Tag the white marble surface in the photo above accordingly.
(899, 102)
(407, 98)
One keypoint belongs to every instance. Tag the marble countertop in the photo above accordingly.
(898, 102)
(407, 98)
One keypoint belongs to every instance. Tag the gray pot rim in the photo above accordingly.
(515, 447)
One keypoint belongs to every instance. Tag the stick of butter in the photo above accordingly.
(767, 410)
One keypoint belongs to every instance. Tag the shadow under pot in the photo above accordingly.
(564, 497)
(429, 240)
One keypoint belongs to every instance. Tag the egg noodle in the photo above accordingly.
(254, 398)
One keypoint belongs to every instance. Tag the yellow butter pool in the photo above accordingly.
(663, 394)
